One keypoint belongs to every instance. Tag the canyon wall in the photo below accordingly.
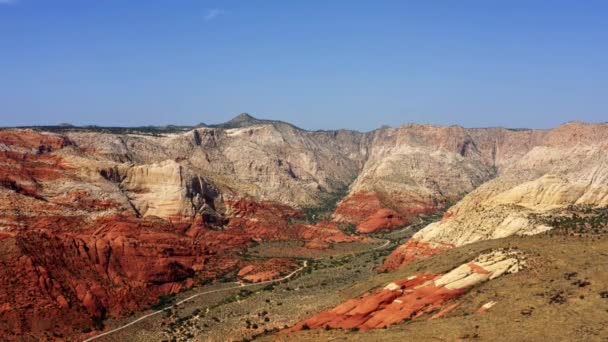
(567, 167)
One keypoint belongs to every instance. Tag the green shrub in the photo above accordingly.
(164, 301)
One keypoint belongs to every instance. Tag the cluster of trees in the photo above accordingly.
(578, 220)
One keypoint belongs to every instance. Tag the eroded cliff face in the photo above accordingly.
(274, 162)
(567, 167)
(417, 169)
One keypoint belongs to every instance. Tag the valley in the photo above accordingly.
(257, 229)
(278, 304)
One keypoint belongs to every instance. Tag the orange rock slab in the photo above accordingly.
(381, 220)
(402, 300)
(409, 252)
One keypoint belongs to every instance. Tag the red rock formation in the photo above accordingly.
(487, 306)
(273, 221)
(27, 163)
(381, 220)
(427, 294)
(262, 220)
(114, 266)
(28, 139)
(326, 232)
(265, 270)
(371, 214)
(399, 301)
(357, 208)
(316, 244)
(409, 252)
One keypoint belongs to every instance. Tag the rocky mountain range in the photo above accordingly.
(98, 223)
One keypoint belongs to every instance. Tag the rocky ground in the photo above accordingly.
(560, 295)
(510, 289)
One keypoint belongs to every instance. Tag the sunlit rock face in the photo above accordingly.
(271, 161)
(417, 169)
(567, 167)
(168, 190)
(421, 296)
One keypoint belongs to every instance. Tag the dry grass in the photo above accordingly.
(557, 298)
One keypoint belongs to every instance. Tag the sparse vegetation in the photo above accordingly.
(141, 130)
(324, 211)
(577, 220)
(164, 301)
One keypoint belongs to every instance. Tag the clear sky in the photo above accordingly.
(317, 64)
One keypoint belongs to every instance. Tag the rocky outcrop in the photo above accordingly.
(167, 190)
(273, 221)
(266, 270)
(567, 167)
(61, 283)
(381, 220)
(270, 161)
(417, 297)
(411, 251)
(416, 169)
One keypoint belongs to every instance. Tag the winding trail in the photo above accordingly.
(386, 242)
(238, 286)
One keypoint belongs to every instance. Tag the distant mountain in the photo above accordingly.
(246, 120)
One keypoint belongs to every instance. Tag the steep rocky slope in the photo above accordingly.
(567, 167)
(275, 162)
(420, 168)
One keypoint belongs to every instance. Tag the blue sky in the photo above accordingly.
(318, 64)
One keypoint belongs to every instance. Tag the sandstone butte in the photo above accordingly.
(421, 296)
(95, 224)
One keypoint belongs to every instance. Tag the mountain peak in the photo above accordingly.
(246, 120)
(243, 117)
